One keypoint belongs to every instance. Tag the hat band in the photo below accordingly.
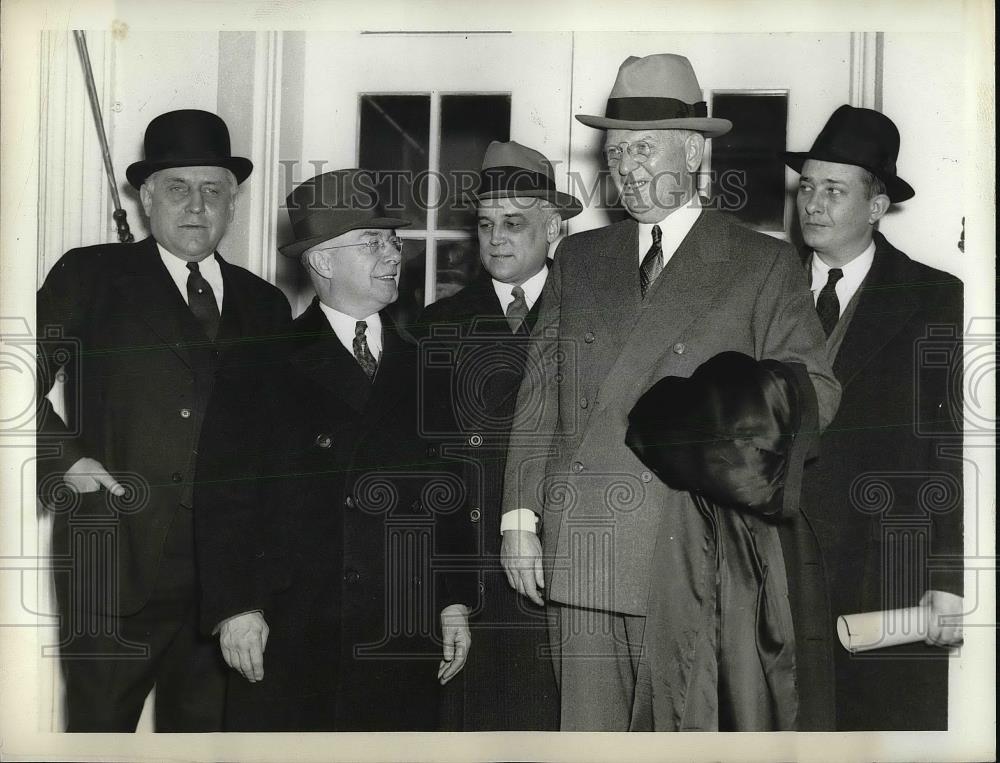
(331, 222)
(647, 109)
(510, 178)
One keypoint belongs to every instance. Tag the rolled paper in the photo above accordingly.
(865, 631)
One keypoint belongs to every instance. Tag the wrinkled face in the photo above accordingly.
(514, 237)
(836, 215)
(189, 208)
(358, 279)
(653, 170)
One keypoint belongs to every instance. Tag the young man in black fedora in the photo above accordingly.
(330, 521)
(483, 329)
(629, 563)
(140, 332)
(898, 430)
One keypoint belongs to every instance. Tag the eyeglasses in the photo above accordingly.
(640, 151)
(374, 246)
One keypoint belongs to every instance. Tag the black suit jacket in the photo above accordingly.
(139, 375)
(473, 366)
(333, 520)
(881, 514)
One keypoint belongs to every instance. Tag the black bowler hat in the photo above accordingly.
(738, 431)
(187, 138)
(864, 138)
(658, 92)
(511, 170)
(332, 204)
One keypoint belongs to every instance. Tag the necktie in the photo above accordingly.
(652, 263)
(201, 300)
(364, 356)
(517, 310)
(827, 305)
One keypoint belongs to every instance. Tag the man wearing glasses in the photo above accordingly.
(326, 518)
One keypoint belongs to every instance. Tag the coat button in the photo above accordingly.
(476, 440)
(679, 348)
(558, 378)
(185, 413)
(589, 337)
(482, 587)
(475, 515)
(352, 576)
(417, 580)
(324, 440)
(646, 477)
(584, 402)
(577, 467)
(349, 502)
(432, 451)
(176, 476)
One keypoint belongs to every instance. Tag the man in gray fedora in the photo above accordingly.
(148, 326)
(627, 564)
(485, 330)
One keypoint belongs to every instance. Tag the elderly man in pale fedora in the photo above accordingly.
(149, 326)
(485, 329)
(899, 415)
(357, 627)
(626, 563)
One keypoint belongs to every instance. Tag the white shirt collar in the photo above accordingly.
(208, 267)
(854, 273)
(343, 326)
(674, 228)
(532, 289)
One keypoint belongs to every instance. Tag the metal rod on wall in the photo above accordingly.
(119, 215)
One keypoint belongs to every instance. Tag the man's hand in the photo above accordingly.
(521, 557)
(457, 641)
(88, 475)
(941, 603)
(242, 639)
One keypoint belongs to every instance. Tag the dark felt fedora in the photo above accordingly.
(187, 138)
(332, 204)
(737, 431)
(511, 170)
(864, 138)
(658, 92)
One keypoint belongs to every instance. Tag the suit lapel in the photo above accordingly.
(884, 306)
(234, 308)
(152, 294)
(323, 360)
(613, 278)
(683, 291)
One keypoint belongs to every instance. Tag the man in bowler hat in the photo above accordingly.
(626, 563)
(484, 328)
(141, 331)
(329, 526)
(898, 428)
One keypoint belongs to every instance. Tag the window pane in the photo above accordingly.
(407, 307)
(457, 265)
(394, 139)
(748, 176)
(468, 124)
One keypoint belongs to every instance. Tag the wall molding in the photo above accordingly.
(866, 70)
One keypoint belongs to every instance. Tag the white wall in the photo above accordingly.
(923, 93)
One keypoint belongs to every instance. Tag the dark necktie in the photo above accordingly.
(827, 305)
(364, 356)
(201, 300)
(517, 310)
(652, 263)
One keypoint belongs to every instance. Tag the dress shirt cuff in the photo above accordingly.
(519, 519)
(218, 627)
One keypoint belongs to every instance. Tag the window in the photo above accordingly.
(426, 148)
(748, 174)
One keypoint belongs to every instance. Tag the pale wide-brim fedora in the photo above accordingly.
(658, 92)
(334, 203)
(187, 138)
(511, 170)
(864, 138)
